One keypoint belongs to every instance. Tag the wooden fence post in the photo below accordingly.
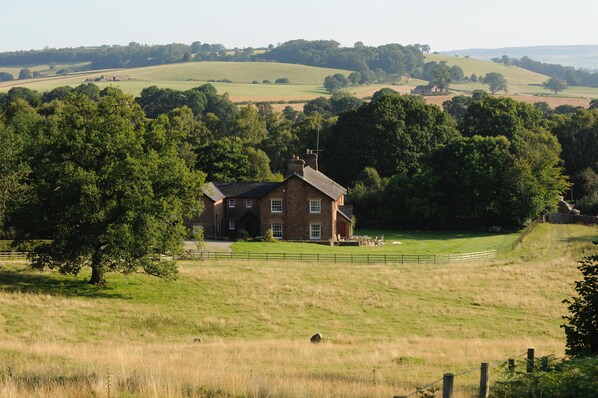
(530, 360)
(545, 364)
(448, 381)
(511, 365)
(484, 379)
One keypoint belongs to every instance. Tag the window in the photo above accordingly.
(231, 203)
(248, 203)
(231, 224)
(276, 230)
(276, 205)
(315, 231)
(315, 206)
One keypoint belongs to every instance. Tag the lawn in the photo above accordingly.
(241, 329)
(407, 242)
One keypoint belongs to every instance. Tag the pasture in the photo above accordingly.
(387, 328)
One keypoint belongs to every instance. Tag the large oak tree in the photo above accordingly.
(107, 191)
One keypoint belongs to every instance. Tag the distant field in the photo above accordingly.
(241, 329)
(43, 69)
(305, 81)
(513, 74)
(408, 242)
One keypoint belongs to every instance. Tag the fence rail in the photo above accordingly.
(13, 254)
(348, 258)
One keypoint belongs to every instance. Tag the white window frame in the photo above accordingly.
(232, 225)
(248, 203)
(315, 206)
(277, 210)
(276, 232)
(231, 203)
(315, 233)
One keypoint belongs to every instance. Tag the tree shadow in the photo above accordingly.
(30, 282)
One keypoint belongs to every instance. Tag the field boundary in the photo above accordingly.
(347, 258)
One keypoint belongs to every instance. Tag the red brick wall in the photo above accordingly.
(295, 217)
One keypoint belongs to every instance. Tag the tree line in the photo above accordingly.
(101, 174)
(568, 74)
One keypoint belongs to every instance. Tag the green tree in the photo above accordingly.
(25, 74)
(578, 135)
(581, 328)
(391, 134)
(494, 116)
(496, 82)
(442, 76)
(110, 194)
(248, 126)
(224, 160)
(456, 73)
(336, 82)
(13, 168)
(554, 84)
(6, 77)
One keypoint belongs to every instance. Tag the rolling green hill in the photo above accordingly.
(305, 81)
(513, 74)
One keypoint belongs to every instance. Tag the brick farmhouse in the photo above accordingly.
(305, 206)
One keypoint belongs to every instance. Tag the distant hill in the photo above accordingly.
(585, 56)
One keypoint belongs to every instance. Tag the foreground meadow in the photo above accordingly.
(241, 329)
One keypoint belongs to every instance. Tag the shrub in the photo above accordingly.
(582, 325)
(243, 234)
(282, 80)
(588, 204)
(269, 236)
(266, 81)
(564, 379)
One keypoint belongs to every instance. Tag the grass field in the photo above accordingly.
(410, 242)
(386, 328)
(305, 81)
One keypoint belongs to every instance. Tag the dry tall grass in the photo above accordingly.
(387, 329)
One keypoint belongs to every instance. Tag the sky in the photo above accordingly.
(442, 24)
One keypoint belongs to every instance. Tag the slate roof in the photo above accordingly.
(346, 211)
(245, 189)
(221, 190)
(322, 183)
(212, 192)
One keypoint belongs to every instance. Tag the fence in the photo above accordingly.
(348, 258)
(13, 255)
(448, 379)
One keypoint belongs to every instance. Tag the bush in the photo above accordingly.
(243, 234)
(282, 80)
(269, 236)
(588, 204)
(582, 325)
(564, 379)
(266, 81)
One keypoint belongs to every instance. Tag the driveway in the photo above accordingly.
(211, 245)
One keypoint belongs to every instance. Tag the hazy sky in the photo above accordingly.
(442, 24)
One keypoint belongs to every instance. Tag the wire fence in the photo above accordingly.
(447, 387)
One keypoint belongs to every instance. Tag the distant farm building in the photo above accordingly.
(428, 89)
(108, 78)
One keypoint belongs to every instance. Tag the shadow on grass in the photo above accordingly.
(31, 282)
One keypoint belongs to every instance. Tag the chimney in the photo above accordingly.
(295, 165)
(311, 159)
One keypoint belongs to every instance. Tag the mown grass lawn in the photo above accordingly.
(397, 242)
